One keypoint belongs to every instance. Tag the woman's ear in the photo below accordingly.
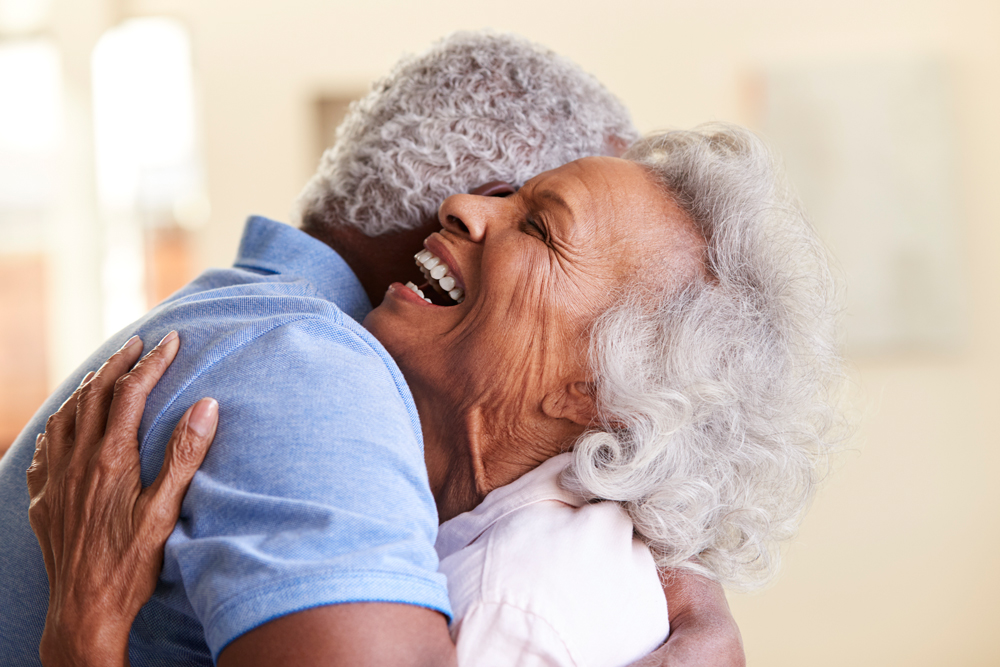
(573, 401)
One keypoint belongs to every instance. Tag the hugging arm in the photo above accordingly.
(102, 538)
(703, 632)
(102, 534)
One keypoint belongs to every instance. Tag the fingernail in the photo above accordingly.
(130, 342)
(169, 337)
(203, 416)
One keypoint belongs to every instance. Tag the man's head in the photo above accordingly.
(476, 107)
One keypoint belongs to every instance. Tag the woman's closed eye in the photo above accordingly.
(535, 229)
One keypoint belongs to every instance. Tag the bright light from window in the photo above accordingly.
(20, 16)
(29, 79)
(144, 131)
(30, 121)
(144, 114)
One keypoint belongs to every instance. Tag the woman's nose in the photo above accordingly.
(467, 215)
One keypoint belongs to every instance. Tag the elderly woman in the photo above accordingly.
(669, 318)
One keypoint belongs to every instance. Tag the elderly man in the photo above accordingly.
(315, 494)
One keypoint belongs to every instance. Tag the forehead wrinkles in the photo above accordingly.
(675, 251)
(628, 223)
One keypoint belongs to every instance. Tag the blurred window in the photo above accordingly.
(135, 153)
(30, 137)
(30, 133)
(149, 177)
(19, 17)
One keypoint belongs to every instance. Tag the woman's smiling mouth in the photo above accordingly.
(440, 277)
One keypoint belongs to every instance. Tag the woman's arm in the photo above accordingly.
(101, 533)
(703, 632)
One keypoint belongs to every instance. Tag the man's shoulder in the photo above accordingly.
(284, 366)
(282, 323)
(239, 294)
(299, 361)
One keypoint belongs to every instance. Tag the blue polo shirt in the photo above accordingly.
(314, 491)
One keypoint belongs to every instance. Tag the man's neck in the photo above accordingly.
(377, 261)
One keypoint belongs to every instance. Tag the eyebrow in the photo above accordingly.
(556, 198)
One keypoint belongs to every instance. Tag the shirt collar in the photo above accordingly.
(534, 486)
(275, 247)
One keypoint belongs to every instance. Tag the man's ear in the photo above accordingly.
(573, 401)
(616, 146)
(494, 189)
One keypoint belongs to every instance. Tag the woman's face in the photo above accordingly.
(531, 271)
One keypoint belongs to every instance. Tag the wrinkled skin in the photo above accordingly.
(501, 380)
(101, 534)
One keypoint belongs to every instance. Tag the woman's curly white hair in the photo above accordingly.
(477, 107)
(716, 397)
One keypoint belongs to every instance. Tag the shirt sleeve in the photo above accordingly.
(314, 491)
(497, 634)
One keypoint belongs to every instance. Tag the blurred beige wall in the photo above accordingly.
(895, 565)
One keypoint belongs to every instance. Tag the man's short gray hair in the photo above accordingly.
(716, 396)
(476, 107)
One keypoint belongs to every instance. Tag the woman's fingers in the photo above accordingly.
(186, 450)
(38, 471)
(131, 391)
(38, 512)
(95, 396)
(60, 428)
(95, 525)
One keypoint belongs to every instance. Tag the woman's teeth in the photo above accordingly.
(437, 275)
(419, 292)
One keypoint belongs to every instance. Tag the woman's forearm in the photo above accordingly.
(703, 632)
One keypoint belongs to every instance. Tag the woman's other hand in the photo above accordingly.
(101, 534)
(703, 632)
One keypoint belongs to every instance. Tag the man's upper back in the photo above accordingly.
(314, 491)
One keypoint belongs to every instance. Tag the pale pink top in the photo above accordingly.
(538, 576)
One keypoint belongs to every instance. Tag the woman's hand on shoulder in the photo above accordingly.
(101, 534)
(703, 632)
